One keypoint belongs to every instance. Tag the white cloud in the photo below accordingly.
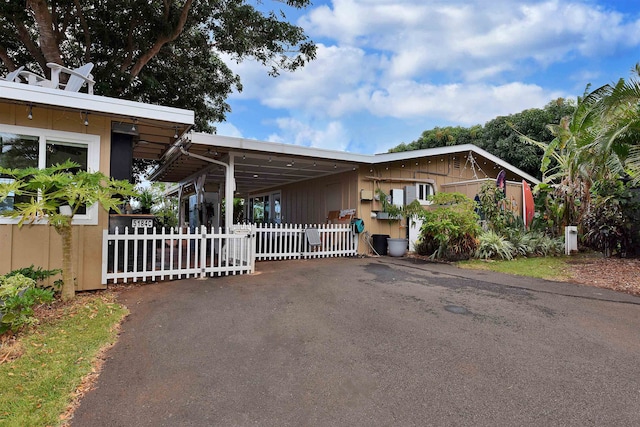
(228, 129)
(471, 35)
(459, 103)
(333, 137)
(422, 62)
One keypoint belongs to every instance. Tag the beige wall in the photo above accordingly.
(451, 173)
(309, 202)
(397, 175)
(471, 188)
(40, 244)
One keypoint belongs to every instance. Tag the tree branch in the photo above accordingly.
(128, 58)
(85, 27)
(6, 59)
(162, 40)
(25, 38)
(48, 40)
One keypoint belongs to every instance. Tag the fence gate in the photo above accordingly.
(150, 254)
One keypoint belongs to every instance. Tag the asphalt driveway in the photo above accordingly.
(370, 342)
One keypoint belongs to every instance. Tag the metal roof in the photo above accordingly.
(261, 165)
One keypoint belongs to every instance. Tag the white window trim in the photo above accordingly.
(93, 162)
(424, 202)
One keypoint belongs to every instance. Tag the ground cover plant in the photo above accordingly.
(43, 368)
(20, 291)
(551, 268)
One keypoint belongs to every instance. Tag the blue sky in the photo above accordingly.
(386, 70)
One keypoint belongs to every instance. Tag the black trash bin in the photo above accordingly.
(379, 242)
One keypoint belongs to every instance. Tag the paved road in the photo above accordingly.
(371, 342)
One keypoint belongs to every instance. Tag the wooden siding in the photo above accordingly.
(40, 244)
(309, 202)
(446, 172)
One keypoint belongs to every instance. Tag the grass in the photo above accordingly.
(552, 268)
(38, 388)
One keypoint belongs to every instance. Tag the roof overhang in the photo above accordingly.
(258, 165)
(261, 165)
(154, 127)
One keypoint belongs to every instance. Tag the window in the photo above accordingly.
(424, 190)
(22, 147)
(265, 208)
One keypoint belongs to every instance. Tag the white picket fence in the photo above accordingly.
(138, 255)
(290, 241)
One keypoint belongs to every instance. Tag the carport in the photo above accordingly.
(237, 167)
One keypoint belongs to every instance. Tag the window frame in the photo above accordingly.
(91, 141)
(274, 217)
(425, 185)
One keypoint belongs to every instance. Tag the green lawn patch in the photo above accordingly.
(552, 268)
(37, 388)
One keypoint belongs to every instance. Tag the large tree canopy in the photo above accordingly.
(157, 51)
(501, 136)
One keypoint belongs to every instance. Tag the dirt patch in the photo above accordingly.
(618, 274)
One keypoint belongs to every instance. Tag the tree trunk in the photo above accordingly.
(68, 286)
(47, 39)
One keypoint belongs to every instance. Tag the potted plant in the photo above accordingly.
(146, 201)
(396, 247)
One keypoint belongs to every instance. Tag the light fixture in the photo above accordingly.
(175, 133)
(335, 166)
(269, 159)
(314, 164)
(30, 114)
(255, 175)
(133, 127)
(86, 118)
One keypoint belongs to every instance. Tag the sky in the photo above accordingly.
(387, 70)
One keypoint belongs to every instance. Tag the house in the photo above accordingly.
(41, 126)
(280, 183)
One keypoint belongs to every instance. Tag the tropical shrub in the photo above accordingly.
(18, 295)
(518, 239)
(611, 224)
(496, 210)
(450, 227)
(540, 244)
(493, 245)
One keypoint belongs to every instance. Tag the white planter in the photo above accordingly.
(397, 247)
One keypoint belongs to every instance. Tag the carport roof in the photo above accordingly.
(260, 165)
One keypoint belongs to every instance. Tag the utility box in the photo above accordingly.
(570, 239)
(410, 193)
(366, 195)
(397, 197)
